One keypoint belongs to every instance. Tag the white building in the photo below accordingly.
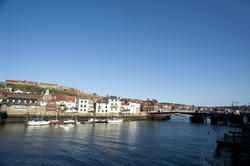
(102, 106)
(67, 105)
(109, 104)
(83, 105)
(18, 91)
(45, 98)
(130, 107)
(115, 104)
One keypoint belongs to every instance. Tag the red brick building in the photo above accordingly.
(51, 106)
(150, 105)
(21, 82)
(59, 97)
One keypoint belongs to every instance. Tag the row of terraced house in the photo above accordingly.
(83, 104)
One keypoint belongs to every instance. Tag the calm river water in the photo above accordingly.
(175, 142)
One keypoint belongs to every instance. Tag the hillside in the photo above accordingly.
(38, 90)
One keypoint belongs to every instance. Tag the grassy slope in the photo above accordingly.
(38, 90)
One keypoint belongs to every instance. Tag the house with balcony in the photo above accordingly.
(129, 107)
(109, 104)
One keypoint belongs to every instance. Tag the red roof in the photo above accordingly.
(21, 82)
(59, 97)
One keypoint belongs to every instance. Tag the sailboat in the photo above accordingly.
(56, 121)
(37, 121)
(93, 120)
(71, 121)
(115, 120)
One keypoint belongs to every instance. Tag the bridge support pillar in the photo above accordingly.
(196, 119)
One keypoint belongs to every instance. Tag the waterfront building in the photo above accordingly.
(22, 99)
(150, 105)
(109, 104)
(21, 82)
(115, 103)
(165, 106)
(83, 105)
(45, 98)
(102, 106)
(129, 107)
(51, 105)
(65, 103)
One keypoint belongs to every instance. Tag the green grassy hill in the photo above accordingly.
(38, 90)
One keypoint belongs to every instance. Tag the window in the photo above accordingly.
(81, 101)
(84, 106)
(84, 110)
(85, 101)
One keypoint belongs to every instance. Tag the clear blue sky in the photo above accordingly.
(184, 51)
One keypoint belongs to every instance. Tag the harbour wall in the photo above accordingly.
(35, 112)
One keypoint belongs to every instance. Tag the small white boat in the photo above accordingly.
(70, 121)
(78, 123)
(37, 123)
(114, 120)
(91, 120)
(55, 121)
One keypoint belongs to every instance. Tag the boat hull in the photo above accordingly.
(55, 122)
(37, 123)
(91, 120)
(115, 121)
(71, 122)
(3, 117)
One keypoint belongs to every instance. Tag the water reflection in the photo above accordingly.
(130, 143)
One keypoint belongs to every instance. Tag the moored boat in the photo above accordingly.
(37, 122)
(55, 121)
(71, 121)
(114, 120)
(91, 120)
